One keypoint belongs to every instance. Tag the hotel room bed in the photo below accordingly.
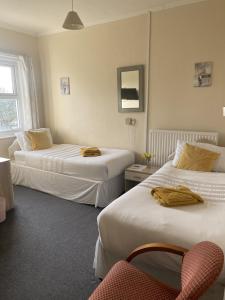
(61, 171)
(136, 218)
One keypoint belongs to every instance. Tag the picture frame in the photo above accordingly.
(65, 85)
(203, 74)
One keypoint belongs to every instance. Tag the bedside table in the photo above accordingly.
(137, 173)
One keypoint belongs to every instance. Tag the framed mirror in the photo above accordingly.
(130, 81)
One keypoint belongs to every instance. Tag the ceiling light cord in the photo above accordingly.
(72, 5)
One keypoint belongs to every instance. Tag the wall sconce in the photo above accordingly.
(224, 111)
(130, 121)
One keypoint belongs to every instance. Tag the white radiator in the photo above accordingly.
(163, 142)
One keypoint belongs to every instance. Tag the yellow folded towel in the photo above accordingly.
(90, 151)
(177, 196)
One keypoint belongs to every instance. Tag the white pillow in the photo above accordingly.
(25, 142)
(171, 156)
(220, 162)
(13, 148)
(179, 149)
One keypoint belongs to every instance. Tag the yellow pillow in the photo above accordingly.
(197, 159)
(39, 139)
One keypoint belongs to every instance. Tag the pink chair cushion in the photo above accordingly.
(125, 282)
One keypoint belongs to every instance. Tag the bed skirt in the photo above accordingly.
(81, 190)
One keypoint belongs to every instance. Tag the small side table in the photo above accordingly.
(6, 187)
(137, 173)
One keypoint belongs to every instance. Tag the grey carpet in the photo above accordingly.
(47, 248)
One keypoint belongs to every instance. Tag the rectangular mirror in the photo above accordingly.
(130, 82)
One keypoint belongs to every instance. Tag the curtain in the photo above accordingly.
(27, 88)
(28, 93)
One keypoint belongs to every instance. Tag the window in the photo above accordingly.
(18, 97)
(10, 106)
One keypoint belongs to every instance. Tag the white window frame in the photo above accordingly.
(13, 64)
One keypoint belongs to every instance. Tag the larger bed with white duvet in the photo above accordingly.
(136, 218)
(62, 171)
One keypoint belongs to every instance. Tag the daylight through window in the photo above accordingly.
(10, 112)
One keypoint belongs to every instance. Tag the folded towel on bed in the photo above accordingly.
(90, 151)
(177, 196)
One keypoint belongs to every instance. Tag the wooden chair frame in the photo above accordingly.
(163, 247)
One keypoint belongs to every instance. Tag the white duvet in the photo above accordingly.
(135, 218)
(65, 159)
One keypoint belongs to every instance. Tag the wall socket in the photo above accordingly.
(130, 121)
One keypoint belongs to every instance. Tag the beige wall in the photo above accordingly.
(181, 37)
(90, 57)
(14, 42)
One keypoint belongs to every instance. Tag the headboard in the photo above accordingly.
(163, 142)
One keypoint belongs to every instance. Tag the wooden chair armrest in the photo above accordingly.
(157, 247)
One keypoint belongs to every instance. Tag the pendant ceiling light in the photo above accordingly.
(73, 21)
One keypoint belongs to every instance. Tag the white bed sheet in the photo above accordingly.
(135, 218)
(65, 159)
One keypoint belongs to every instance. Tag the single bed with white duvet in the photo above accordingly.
(63, 172)
(136, 218)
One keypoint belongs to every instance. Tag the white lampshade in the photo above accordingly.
(73, 21)
(224, 111)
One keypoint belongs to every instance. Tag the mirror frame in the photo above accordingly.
(140, 69)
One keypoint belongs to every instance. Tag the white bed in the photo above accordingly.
(61, 171)
(135, 218)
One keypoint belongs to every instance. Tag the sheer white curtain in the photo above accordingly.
(28, 93)
(26, 85)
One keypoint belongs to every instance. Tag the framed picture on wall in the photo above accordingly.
(65, 85)
(203, 74)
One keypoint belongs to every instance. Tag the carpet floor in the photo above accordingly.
(47, 248)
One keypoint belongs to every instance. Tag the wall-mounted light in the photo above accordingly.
(130, 121)
(224, 111)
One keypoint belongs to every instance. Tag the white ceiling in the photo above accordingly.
(39, 17)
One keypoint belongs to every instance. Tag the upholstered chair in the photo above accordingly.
(200, 267)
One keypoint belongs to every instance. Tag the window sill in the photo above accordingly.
(8, 136)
